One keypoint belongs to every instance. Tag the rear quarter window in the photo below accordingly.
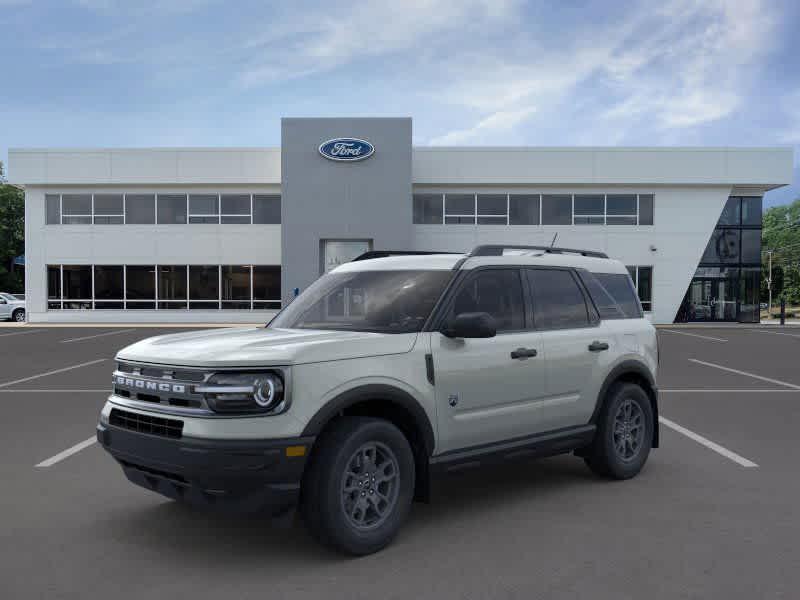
(620, 288)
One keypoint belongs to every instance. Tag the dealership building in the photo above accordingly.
(231, 234)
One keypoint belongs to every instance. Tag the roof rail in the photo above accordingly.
(384, 253)
(497, 250)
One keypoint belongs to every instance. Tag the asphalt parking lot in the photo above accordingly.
(713, 515)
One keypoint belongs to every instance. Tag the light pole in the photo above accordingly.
(769, 286)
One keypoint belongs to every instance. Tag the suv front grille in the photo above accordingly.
(171, 428)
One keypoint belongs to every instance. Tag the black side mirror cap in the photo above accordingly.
(471, 325)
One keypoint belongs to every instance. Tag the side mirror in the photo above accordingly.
(471, 325)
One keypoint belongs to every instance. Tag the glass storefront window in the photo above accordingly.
(723, 247)
(730, 214)
(751, 246)
(749, 295)
(751, 211)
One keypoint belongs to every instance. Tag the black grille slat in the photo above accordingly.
(171, 428)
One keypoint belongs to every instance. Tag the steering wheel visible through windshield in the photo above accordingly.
(378, 301)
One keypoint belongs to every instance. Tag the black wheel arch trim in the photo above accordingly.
(377, 392)
(637, 368)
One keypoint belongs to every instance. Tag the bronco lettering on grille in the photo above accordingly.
(155, 386)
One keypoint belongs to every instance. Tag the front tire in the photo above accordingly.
(18, 315)
(624, 433)
(359, 486)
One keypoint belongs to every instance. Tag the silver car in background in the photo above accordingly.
(12, 308)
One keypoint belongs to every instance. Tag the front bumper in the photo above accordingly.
(243, 476)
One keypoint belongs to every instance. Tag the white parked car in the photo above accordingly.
(12, 308)
(384, 372)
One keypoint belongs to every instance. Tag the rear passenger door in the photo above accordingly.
(575, 343)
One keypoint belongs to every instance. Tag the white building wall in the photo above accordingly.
(141, 245)
(683, 220)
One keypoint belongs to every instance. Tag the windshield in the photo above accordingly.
(379, 301)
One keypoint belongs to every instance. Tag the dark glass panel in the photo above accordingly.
(140, 209)
(646, 209)
(731, 213)
(267, 209)
(723, 247)
(524, 209)
(751, 246)
(171, 209)
(557, 209)
(266, 282)
(54, 282)
(203, 282)
(751, 211)
(140, 282)
(750, 295)
(492, 204)
(53, 208)
(459, 204)
(172, 282)
(77, 282)
(621, 204)
(236, 283)
(108, 282)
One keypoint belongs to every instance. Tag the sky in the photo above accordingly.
(108, 73)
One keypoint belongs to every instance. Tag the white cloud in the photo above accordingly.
(501, 121)
(679, 65)
(320, 41)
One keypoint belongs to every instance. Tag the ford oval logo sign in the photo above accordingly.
(344, 149)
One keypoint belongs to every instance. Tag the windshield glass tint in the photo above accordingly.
(379, 301)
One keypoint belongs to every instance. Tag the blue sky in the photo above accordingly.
(90, 73)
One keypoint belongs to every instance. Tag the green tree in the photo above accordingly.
(12, 235)
(781, 235)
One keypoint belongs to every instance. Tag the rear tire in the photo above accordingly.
(624, 433)
(18, 315)
(358, 489)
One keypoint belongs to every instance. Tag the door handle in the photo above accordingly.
(598, 346)
(523, 353)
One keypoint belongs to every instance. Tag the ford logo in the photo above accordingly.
(346, 149)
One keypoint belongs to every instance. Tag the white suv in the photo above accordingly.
(385, 371)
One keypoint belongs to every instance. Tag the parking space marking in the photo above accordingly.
(697, 335)
(70, 368)
(728, 391)
(745, 373)
(71, 391)
(91, 337)
(730, 455)
(23, 332)
(794, 335)
(67, 453)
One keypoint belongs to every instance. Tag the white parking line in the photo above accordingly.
(794, 335)
(740, 460)
(67, 453)
(746, 374)
(708, 391)
(24, 379)
(697, 335)
(22, 332)
(82, 391)
(89, 337)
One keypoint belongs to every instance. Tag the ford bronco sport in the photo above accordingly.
(384, 372)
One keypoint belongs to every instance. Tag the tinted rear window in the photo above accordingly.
(621, 289)
(607, 307)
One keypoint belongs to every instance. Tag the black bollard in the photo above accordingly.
(783, 310)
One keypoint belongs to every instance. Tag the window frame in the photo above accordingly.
(636, 286)
(497, 219)
(136, 304)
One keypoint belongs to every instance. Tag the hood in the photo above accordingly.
(257, 347)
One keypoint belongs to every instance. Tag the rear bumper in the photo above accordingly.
(243, 476)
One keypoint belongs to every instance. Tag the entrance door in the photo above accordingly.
(711, 300)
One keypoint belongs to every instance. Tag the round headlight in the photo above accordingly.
(268, 391)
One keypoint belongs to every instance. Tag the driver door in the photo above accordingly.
(483, 394)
